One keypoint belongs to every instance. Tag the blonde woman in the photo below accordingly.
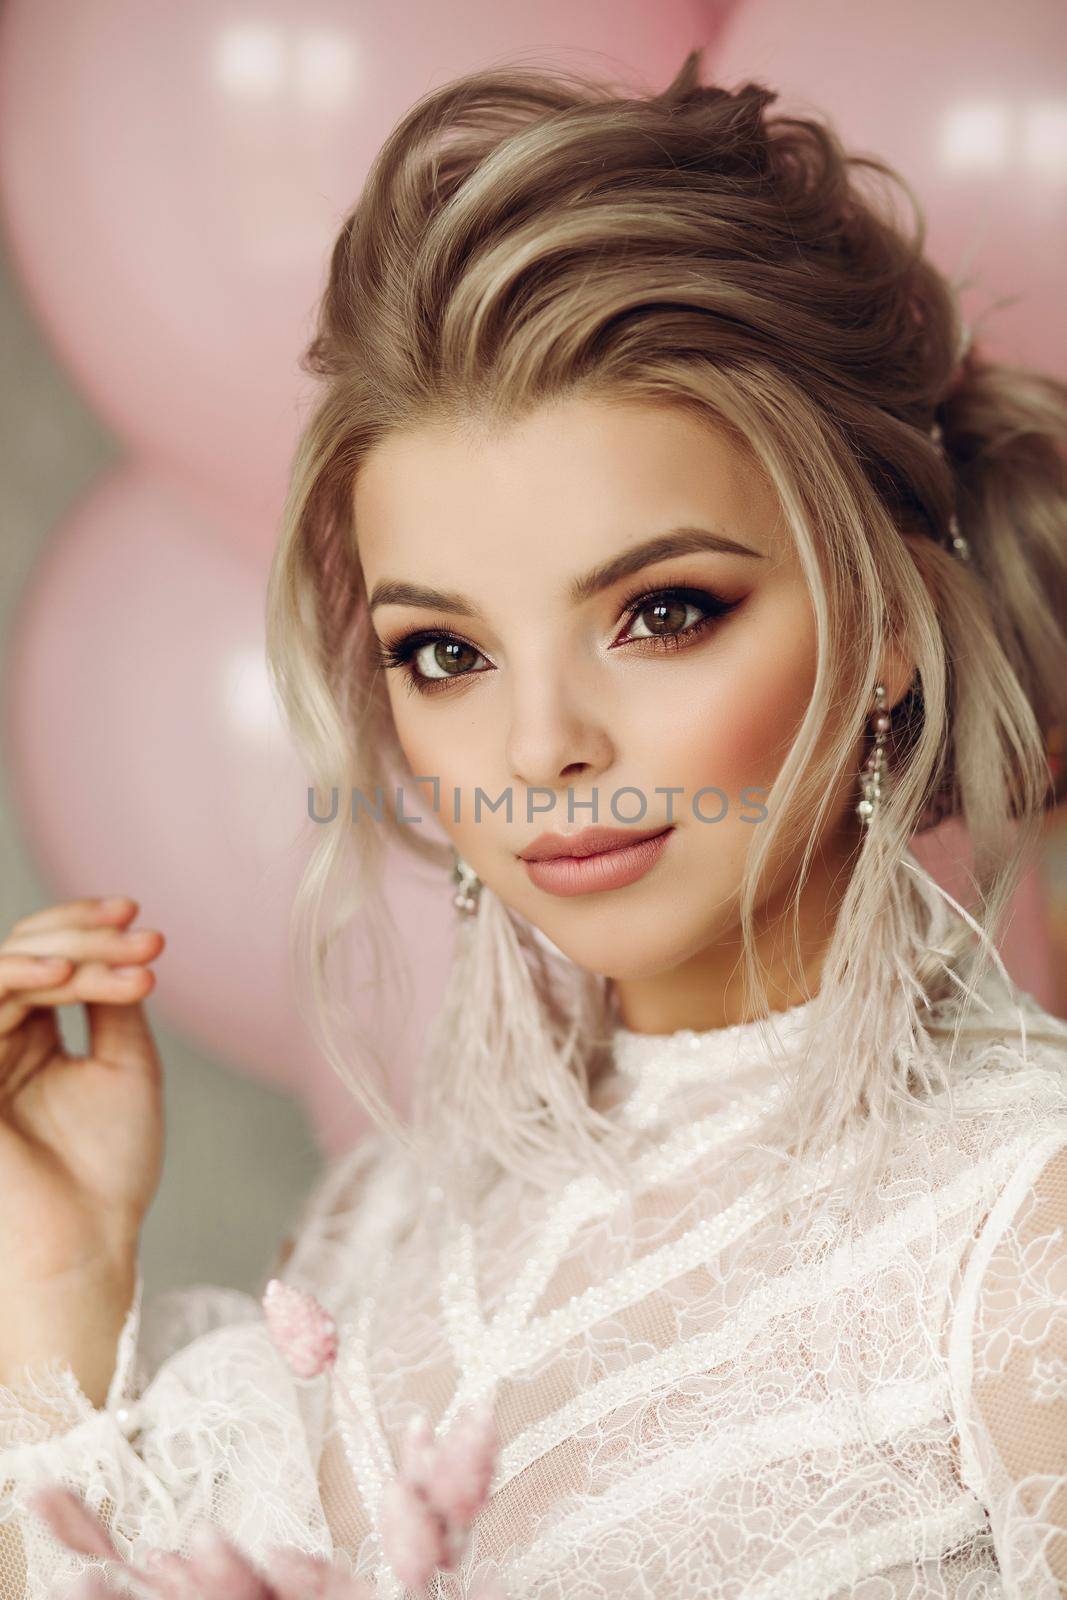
(652, 473)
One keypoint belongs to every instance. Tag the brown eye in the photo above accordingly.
(667, 616)
(445, 658)
(674, 617)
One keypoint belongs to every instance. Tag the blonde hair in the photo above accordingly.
(526, 236)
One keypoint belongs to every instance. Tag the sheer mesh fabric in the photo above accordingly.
(712, 1386)
(1010, 1366)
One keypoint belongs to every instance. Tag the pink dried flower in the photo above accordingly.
(90, 1586)
(414, 1536)
(72, 1523)
(426, 1516)
(463, 1471)
(418, 1452)
(296, 1575)
(167, 1575)
(428, 1509)
(217, 1569)
(301, 1328)
(220, 1569)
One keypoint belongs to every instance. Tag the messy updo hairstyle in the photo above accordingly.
(525, 236)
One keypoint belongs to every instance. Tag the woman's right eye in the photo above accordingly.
(430, 661)
(445, 658)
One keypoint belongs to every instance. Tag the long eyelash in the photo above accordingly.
(402, 653)
(712, 604)
(399, 654)
(637, 602)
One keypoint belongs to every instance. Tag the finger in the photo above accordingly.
(19, 971)
(110, 945)
(119, 1032)
(95, 980)
(91, 980)
(22, 981)
(85, 913)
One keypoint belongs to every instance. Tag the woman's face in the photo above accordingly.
(562, 657)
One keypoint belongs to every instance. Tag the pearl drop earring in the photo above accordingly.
(874, 768)
(468, 885)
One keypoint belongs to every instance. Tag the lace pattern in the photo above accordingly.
(715, 1384)
(1009, 1349)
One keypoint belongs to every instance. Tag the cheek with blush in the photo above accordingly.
(752, 734)
(731, 728)
(758, 711)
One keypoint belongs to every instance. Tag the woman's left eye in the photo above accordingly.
(666, 615)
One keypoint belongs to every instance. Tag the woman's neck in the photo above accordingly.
(707, 990)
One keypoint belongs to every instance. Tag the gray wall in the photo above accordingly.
(240, 1157)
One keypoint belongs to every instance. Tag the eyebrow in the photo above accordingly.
(674, 542)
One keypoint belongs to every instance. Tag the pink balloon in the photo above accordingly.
(149, 759)
(173, 176)
(970, 104)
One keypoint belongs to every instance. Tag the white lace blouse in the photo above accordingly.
(702, 1389)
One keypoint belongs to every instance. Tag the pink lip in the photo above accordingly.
(606, 869)
(589, 842)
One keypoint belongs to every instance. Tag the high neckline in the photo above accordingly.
(633, 1052)
(649, 1070)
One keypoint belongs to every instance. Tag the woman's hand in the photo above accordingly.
(81, 1137)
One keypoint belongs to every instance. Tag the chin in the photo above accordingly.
(625, 948)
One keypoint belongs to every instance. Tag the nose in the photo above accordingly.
(558, 728)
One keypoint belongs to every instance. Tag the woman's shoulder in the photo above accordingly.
(1002, 1110)
(1006, 1058)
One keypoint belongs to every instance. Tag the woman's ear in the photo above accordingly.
(898, 666)
(898, 675)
